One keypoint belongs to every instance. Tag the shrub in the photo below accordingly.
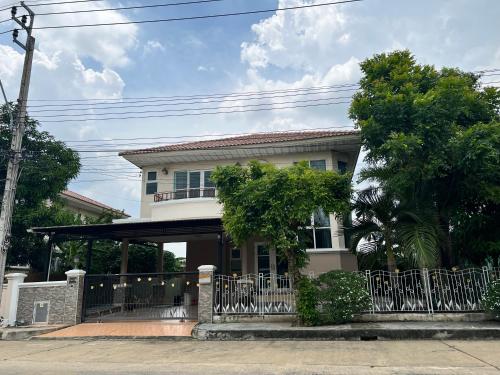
(341, 295)
(307, 302)
(491, 299)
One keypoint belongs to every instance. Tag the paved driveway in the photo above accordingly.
(249, 357)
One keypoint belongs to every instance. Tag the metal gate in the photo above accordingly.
(254, 294)
(145, 296)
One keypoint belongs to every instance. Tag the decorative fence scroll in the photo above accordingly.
(261, 294)
(429, 291)
(413, 291)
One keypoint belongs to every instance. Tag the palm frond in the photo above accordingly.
(419, 242)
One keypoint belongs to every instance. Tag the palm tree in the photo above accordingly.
(384, 225)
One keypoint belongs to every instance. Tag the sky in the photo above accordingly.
(287, 50)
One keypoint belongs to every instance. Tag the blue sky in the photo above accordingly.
(288, 50)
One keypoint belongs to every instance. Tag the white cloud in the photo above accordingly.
(152, 46)
(202, 68)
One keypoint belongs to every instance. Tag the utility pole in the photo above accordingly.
(12, 176)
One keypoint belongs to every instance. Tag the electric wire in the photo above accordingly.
(191, 18)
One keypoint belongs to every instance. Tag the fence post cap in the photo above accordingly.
(15, 276)
(207, 268)
(73, 273)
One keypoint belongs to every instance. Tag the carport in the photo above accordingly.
(148, 296)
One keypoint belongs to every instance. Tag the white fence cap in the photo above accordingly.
(207, 268)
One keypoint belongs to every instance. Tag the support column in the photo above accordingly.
(12, 297)
(220, 248)
(159, 258)
(206, 293)
(124, 258)
(88, 260)
(73, 299)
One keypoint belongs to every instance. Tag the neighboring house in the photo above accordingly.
(87, 207)
(176, 186)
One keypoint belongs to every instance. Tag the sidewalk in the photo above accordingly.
(354, 331)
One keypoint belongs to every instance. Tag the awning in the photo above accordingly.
(138, 230)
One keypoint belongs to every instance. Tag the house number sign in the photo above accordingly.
(205, 278)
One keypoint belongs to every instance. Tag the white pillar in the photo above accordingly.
(13, 281)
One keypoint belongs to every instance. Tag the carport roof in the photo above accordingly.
(140, 230)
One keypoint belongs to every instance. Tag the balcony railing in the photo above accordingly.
(185, 194)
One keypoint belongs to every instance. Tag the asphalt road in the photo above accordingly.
(249, 357)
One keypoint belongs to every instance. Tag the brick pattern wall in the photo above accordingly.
(65, 300)
(28, 296)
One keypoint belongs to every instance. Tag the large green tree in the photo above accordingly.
(263, 201)
(434, 135)
(46, 168)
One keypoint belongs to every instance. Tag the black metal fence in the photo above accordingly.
(146, 296)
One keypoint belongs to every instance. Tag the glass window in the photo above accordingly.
(180, 184)
(342, 166)
(207, 182)
(194, 184)
(236, 261)
(151, 184)
(151, 188)
(318, 164)
(318, 234)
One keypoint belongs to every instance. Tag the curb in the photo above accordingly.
(354, 334)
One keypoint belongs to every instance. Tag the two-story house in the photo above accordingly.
(176, 186)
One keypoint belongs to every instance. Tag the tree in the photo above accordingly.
(47, 167)
(385, 226)
(264, 201)
(433, 135)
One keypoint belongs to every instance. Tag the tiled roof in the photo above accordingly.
(244, 140)
(72, 194)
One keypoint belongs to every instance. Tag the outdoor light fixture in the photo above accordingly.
(163, 283)
(139, 279)
(149, 278)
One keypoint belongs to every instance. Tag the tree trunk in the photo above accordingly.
(447, 256)
(391, 259)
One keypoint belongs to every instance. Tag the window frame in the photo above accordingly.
(312, 227)
(188, 188)
(150, 182)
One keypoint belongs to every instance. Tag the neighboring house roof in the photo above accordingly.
(250, 139)
(88, 202)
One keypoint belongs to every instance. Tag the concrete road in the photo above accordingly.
(249, 357)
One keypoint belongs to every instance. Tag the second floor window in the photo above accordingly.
(320, 165)
(318, 233)
(193, 184)
(151, 183)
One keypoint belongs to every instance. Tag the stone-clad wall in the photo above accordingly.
(30, 293)
(65, 299)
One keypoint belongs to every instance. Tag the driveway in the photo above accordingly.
(249, 357)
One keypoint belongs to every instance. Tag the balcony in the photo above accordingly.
(185, 194)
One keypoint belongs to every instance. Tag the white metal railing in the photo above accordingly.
(429, 291)
(253, 294)
(417, 291)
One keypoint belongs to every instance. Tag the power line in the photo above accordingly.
(192, 2)
(177, 110)
(197, 113)
(157, 103)
(190, 18)
(186, 97)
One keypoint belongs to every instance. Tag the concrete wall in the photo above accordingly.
(321, 262)
(199, 208)
(200, 252)
(64, 299)
(166, 181)
(5, 301)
